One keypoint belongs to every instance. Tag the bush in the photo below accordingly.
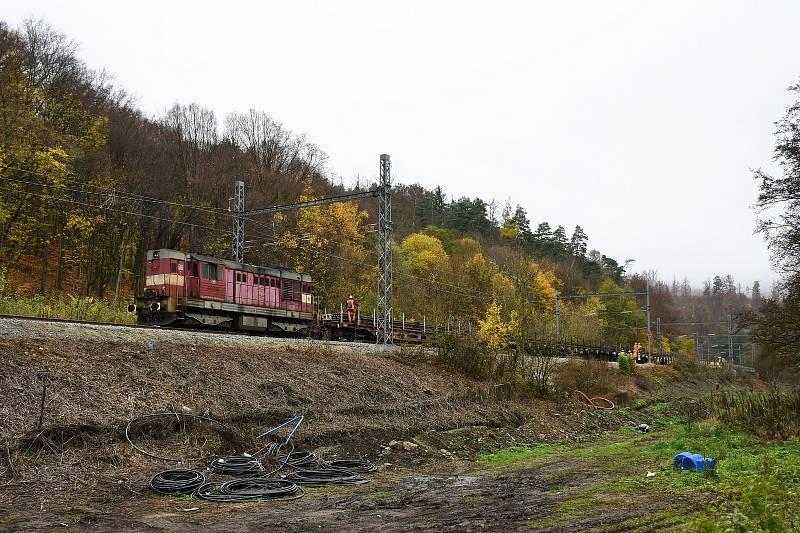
(773, 414)
(688, 366)
(463, 353)
(61, 305)
(626, 365)
(592, 376)
(657, 375)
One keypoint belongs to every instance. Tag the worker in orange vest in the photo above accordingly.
(351, 309)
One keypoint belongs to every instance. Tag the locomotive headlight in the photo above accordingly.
(155, 306)
(131, 308)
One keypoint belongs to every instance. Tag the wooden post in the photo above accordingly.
(43, 376)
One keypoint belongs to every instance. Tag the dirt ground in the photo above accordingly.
(79, 473)
(543, 494)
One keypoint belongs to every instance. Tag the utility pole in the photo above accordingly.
(730, 338)
(383, 330)
(383, 322)
(237, 243)
(698, 353)
(558, 316)
(658, 337)
(649, 327)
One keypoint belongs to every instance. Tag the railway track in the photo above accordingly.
(406, 334)
(170, 328)
(94, 323)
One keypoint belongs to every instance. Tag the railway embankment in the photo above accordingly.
(98, 377)
(69, 391)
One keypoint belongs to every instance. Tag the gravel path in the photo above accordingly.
(71, 331)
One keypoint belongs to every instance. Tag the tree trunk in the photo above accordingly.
(45, 261)
(61, 259)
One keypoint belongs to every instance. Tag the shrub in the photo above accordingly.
(625, 364)
(463, 353)
(61, 305)
(773, 414)
(541, 365)
(688, 366)
(657, 375)
(592, 376)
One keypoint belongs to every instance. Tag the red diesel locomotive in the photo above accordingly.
(196, 290)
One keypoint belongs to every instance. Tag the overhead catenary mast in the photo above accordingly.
(383, 333)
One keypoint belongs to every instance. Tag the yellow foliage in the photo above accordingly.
(329, 243)
(52, 161)
(95, 135)
(466, 248)
(494, 331)
(423, 254)
(81, 225)
(502, 286)
(509, 232)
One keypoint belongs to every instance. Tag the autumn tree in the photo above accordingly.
(777, 322)
(495, 331)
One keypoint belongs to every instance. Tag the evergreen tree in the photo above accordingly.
(756, 294)
(560, 243)
(520, 220)
(438, 207)
(717, 286)
(543, 232)
(579, 242)
(543, 240)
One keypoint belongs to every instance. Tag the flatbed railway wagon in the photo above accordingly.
(184, 289)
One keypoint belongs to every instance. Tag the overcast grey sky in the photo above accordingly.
(640, 121)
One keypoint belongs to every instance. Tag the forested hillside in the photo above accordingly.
(89, 183)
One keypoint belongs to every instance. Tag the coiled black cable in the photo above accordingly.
(319, 478)
(177, 481)
(241, 490)
(237, 465)
(298, 459)
(352, 465)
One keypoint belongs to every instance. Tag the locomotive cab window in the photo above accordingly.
(173, 267)
(211, 272)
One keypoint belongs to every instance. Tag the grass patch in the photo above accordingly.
(756, 486)
(583, 505)
(517, 454)
(771, 414)
(658, 407)
(61, 305)
(380, 496)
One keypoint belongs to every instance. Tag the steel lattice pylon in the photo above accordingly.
(383, 327)
(237, 239)
(383, 319)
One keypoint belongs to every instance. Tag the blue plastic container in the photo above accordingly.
(693, 461)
